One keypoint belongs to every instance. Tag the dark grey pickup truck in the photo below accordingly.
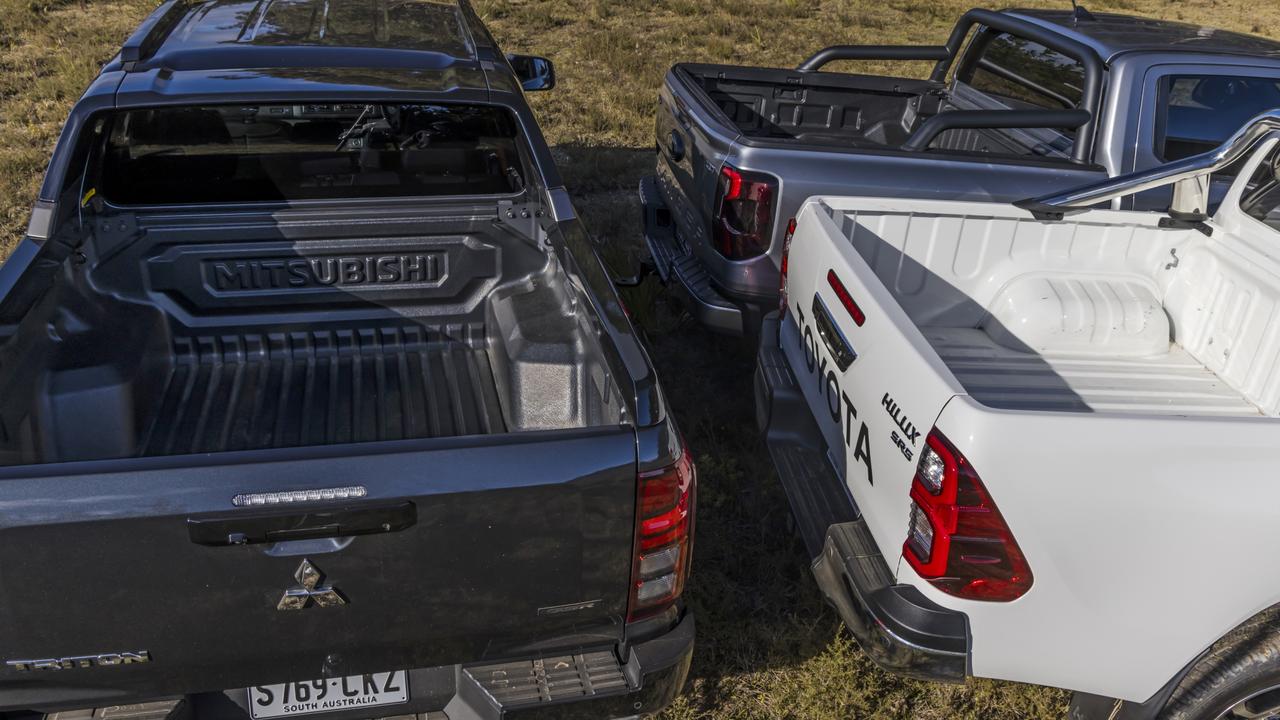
(1020, 103)
(315, 399)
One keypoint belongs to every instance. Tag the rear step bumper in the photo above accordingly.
(589, 684)
(707, 305)
(896, 626)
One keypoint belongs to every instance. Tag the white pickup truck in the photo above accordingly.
(1040, 442)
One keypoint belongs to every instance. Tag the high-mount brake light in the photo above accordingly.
(957, 539)
(782, 267)
(743, 224)
(664, 536)
(846, 299)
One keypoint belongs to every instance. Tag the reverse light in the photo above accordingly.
(957, 539)
(932, 469)
(921, 537)
(664, 536)
(743, 223)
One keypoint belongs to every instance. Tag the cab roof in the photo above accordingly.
(209, 35)
(1111, 34)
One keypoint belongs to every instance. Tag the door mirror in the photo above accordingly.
(534, 73)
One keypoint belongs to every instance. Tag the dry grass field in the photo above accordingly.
(767, 646)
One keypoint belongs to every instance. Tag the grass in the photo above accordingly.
(767, 645)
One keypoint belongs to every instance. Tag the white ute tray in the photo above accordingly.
(1173, 383)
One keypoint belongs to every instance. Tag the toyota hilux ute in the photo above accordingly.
(1034, 442)
(1019, 103)
(315, 399)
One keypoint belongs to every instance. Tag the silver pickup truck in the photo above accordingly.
(1019, 103)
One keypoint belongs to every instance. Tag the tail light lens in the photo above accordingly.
(664, 537)
(743, 223)
(782, 268)
(957, 539)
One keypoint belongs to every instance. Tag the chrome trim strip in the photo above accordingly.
(287, 497)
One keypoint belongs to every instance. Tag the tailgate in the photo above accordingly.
(690, 153)
(874, 387)
(459, 550)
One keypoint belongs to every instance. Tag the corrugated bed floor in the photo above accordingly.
(316, 388)
(996, 376)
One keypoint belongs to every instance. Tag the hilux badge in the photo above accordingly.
(310, 590)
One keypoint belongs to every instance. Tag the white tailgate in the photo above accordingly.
(876, 413)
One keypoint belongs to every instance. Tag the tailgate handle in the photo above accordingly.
(841, 350)
(294, 524)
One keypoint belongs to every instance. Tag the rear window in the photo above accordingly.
(1197, 112)
(1028, 75)
(1261, 198)
(263, 153)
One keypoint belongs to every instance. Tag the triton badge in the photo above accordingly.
(310, 590)
(81, 661)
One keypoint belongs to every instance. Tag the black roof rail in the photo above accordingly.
(146, 40)
(872, 52)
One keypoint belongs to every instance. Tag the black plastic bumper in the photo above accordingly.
(592, 683)
(897, 626)
(681, 271)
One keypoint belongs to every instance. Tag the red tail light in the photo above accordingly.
(664, 537)
(743, 224)
(958, 540)
(782, 268)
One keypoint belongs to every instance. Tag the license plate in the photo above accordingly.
(328, 695)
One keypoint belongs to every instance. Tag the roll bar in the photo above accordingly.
(946, 55)
(1189, 176)
(968, 119)
(1091, 97)
(872, 52)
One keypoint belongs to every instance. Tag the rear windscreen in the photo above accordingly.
(264, 153)
(1261, 199)
(1197, 113)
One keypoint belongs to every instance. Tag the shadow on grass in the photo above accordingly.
(755, 601)
(756, 604)
(768, 646)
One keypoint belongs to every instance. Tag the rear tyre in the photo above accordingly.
(1238, 678)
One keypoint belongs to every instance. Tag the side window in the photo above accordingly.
(1261, 199)
(1195, 113)
(1027, 75)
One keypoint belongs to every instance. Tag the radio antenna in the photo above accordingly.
(1080, 12)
